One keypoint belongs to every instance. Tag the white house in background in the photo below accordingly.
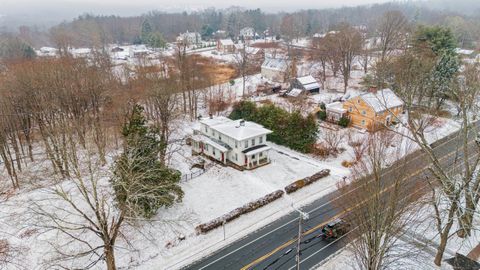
(232, 142)
(275, 69)
(225, 46)
(192, 38)
(247, 33)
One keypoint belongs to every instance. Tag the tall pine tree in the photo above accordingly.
(141, 182)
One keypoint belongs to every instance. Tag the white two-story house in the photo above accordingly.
(232, 142)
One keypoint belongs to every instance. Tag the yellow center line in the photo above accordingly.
(260, 259)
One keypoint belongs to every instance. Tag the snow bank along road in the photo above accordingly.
(273, 246)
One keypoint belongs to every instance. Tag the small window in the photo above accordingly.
(358, 101)
(260, 140)
(213, 151)
(236, 156)
(236, 144)
(253, 142)
(363, 122)
(261, 154)
(213, 132)
(350, 109)
(219, 137)
(206, 147)
(206, 129)
(364, 112)
(246, 144)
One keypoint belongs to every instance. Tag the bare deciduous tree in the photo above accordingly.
(379, 208)
(392, 28)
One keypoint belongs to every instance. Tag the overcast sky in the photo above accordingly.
(131, 7)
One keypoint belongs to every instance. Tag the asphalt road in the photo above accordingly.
(273, 246)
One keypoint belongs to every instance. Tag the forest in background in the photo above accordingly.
(90, 30)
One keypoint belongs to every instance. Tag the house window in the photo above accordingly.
(213, 132)
(261, 154)
(206, 147)
(260, 140)
(253, 142)
(364, 112)
(236, 144)
(219, 137)
(358, 101)
(363, 122)
(236, 156)
(350, 109)
(213, 150)
(206, 129)
(246, 144)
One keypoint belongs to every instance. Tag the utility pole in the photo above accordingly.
(303, 216)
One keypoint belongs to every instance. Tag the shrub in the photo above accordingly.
(323, 106)
(320, 150)
(347, 164)
(236, 213)
(232, 82)
(306, 181)
(343, 122)
(322, 115)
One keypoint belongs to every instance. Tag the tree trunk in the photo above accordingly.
(110, 257)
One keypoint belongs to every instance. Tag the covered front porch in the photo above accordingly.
(256, 156)
(210, 147)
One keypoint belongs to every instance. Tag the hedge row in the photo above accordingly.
(249, 207)
(306, 181)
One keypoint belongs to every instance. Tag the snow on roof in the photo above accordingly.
(382, 100)
(336, 107)
(256, 149)
(80, 50)
(308, 82)
(318, 35)
(222, 147)
(307, 79)
(226, 42)
(295, 92)
(275, 64)
(48, 49)
(464, 51)
(234, 129)
(252, 50)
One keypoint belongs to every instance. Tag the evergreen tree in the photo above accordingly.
(142, 184)
(146, 31)
(156, 40)
(289, 129)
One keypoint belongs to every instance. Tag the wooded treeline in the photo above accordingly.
(91, 30)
